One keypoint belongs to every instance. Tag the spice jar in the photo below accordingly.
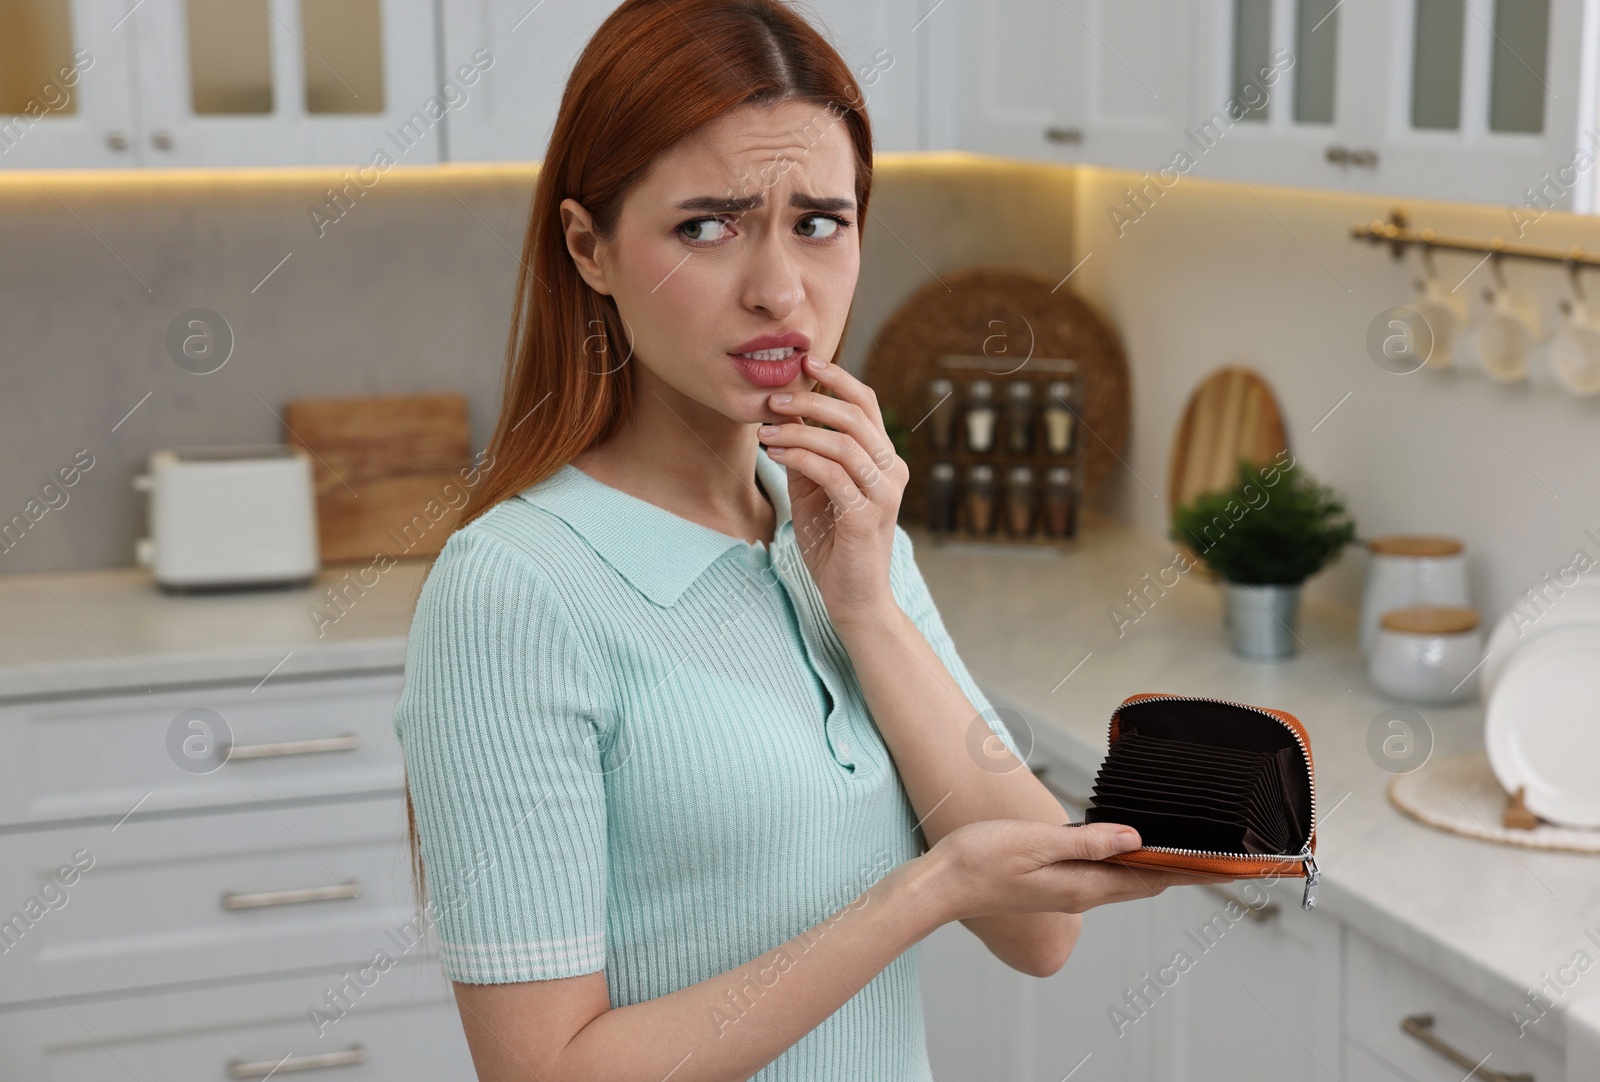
(1060, 510)
(942, 497)
(1019, 416)
(1059, 421)
(941, 415)
(980, 415)
(980, 499)
(1019, 501)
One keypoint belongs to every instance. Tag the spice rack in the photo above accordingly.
(1038, 511)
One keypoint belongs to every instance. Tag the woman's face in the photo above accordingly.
(746, 229)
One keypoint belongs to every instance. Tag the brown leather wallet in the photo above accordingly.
(1211, 786)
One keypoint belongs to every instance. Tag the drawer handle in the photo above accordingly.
(342, 742)
(1260, 914)
(1420, 1026)
(262, 899)
(350, 1057)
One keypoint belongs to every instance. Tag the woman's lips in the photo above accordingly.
(769, 373)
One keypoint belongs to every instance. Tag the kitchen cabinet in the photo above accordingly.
(225, 82)
(1236, 981)
(203, 879)
(531, 49)
(1100, 81)
(1449, 1033)
(1480, 100)
(1476, 100)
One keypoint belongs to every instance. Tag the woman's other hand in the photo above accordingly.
(845, 484)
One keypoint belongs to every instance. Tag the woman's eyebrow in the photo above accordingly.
(740, 204)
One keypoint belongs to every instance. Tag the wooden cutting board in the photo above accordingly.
(387, 470)
(1231, 414)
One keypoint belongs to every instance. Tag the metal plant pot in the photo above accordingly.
(1261, 618)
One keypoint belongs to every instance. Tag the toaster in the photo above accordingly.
(230, 517)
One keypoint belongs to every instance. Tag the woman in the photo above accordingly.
(680, 717)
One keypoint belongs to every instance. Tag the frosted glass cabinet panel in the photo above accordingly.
(65, 85)
(287, 82)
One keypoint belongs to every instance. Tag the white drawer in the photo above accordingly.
(144, 904)
(402, 1029)
(1382, 990)
(101, 757)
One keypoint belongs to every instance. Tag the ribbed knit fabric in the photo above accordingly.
(636, 743)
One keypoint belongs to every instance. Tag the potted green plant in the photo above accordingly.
(1264, 536)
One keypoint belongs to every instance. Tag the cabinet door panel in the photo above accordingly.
(1252, 118)
(72, 99)
(1439, 141)
(160, 900)
(1260, 997)
(1107, 1014)
(404, 128)
(534, 46)
(1384, 989)
(1021, 55)
(105, 756)
(398, 1026)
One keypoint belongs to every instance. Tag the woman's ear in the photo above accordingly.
(583, 243)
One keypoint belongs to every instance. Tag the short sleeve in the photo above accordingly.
(501, 720)
(911, 591)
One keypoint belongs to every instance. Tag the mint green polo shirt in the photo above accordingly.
(637, 743)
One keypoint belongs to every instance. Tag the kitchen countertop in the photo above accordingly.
(1034, 627)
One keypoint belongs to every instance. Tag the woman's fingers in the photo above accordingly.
(853, 409)
(839, 447)
(831, 477)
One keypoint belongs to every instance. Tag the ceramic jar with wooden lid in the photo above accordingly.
(1411, 569)
(1427, 653)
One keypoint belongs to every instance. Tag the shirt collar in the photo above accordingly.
(660, 553)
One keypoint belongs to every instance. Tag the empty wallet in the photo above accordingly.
(1211, 786)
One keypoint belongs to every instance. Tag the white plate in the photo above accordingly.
(1579, 605)
(1543, 726)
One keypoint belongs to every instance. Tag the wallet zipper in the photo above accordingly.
(1313, 876)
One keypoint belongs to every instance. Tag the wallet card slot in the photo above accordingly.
(1273, 832)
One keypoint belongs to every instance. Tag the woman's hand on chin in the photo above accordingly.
(845, 484)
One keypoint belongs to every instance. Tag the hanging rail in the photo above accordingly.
(1399, 237)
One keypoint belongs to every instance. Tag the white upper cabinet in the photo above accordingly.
(527, 50)
(1284, 92)
(274, 82)
(1103, 81)
(1481, 97)
(220, 82)
(66, 86)
(1477, 100)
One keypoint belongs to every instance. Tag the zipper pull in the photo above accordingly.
(1308, 901)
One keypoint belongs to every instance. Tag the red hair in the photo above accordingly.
(654, 71)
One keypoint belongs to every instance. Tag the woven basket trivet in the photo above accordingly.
(1459, 793)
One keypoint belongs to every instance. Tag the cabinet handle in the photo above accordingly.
(350, 1057)
(1337, 154)
(321, 745)
(1365, 157)
(1057, 134)
(1259, 914)
(1420, 1026)
(262, 899)
(161, 140)
(117, 140)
